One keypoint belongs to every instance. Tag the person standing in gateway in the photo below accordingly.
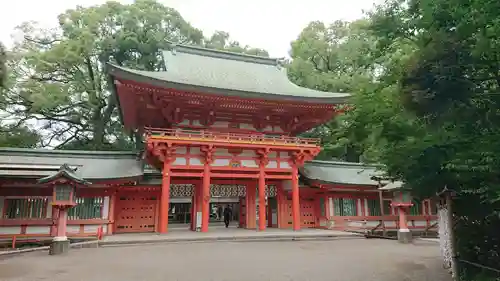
(227, 215)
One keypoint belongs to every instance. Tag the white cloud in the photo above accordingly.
(267, 24)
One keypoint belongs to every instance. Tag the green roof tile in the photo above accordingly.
(220, 72)
(340, 172)
(90, 165)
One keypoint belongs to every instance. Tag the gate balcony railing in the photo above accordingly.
(204, 135)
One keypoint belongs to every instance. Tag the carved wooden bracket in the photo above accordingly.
(298, 158)
(208, 151)
(263, 156)
(164, 151)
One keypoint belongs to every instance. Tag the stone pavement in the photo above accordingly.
(330, 260)
(225, 234)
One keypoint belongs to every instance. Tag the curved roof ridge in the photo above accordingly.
(222, 54)
(343, 163)
(82, 153)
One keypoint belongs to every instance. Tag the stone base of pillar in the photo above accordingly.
(404, 236)
(59, 245)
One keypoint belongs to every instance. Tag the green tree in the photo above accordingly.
(437, 122)
(335, 58)
(60, 75)
(221, 40)
(3, 61)
(61, 79)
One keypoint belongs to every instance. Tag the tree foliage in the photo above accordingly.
(426, 106)
(59, 80)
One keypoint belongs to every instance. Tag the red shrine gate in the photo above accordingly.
(216, 117)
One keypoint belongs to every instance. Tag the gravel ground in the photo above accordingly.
(334, 260)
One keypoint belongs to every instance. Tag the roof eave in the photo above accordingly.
(119, 72)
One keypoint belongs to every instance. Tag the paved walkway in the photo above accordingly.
(225, 234)
(331, 260)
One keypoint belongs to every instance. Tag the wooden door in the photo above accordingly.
(135, 212)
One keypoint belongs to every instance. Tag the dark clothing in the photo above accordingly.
(227, 216)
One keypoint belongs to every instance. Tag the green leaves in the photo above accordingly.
(59, 78)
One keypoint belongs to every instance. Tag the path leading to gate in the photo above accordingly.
(226, 234)
(332, 260)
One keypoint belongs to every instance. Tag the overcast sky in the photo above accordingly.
(267, 24)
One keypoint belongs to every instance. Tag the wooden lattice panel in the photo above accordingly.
(135, 212)
(217, 190)
(181, 190)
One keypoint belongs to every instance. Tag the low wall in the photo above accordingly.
(362, 223)
(46, 228)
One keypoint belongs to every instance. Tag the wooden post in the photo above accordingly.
(295, 199)
(193, 208)
(62, 221)
(165, 197)
(262, 199)
(206, 198)
(280, 209)
(454, 263)
(250, 205)
(382, 211)
(111, 213)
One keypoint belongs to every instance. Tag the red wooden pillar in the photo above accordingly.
(194, 207)
(62, 220)
(165, 197)
(206, 198)
(403, 220)
(111, 213)
(250, 205)
(242, 212)
(280, 202)
(262, 199)
(295, 199)
(55, 217)
(269, 214)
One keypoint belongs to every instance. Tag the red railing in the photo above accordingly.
(228, 137)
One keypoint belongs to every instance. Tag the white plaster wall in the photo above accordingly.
(390, 223)
(330, 206)
(248, 153)
(420, 223)
(222, 152)
(105, 208)
(49, 208)
(195, 162)
(272, 164)
(284, 165)
(181, 150)
(220, 163)
(249, 163)
(91, 228)
(195, 150)
(10, 229)
(372, 223)
(38, 230)
(180, 161)
(359, 207)
(73, 229)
